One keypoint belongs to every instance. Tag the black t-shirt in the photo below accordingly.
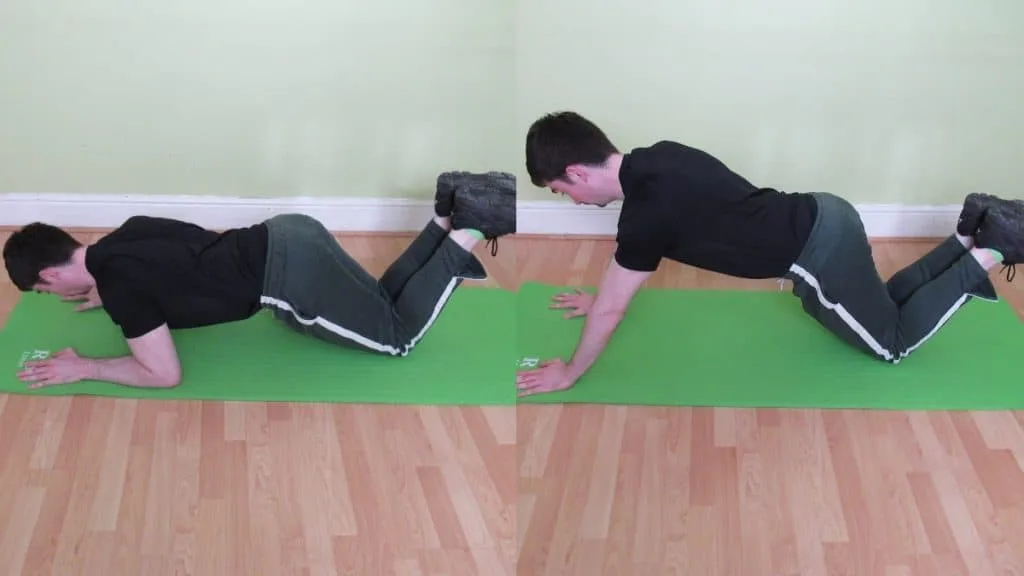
(683, 204)
(155, 271)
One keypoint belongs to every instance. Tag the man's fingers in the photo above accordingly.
(526, 380)
(524, 377)
(531, 380)
(35, 366)
(529, 388)
(74, 297)
(34, 374)
(42, 383)
(535, 389)
(567, 302)
(569, 296)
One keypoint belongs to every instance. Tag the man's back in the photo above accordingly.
(686, 205)
(152, 271)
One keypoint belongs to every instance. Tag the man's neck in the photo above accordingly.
(613, 182)
(78, 258)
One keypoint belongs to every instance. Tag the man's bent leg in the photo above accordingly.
(839, 285)
(313, 286)
(904, 283)
(835, 262)
(429, 289)
(458, 192)
(414, 257)
(933, 304)
(925, 269)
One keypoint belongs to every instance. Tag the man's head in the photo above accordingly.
(571, 155)
(44, 258)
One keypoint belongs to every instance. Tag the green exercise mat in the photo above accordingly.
(465, 358)
(759, 349)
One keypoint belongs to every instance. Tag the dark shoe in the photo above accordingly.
(970, 216)
(486, 202)
(444, 197)
(975, 206)
(1001, 228)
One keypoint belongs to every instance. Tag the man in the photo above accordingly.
(154, 275)
(683, 204)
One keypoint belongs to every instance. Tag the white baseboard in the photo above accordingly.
(880, 220)
(389, 215)
(218, 212)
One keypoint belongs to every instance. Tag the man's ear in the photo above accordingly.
(48, 275)
(575, 174)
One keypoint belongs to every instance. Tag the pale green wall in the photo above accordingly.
(913, 101)
(255, 97)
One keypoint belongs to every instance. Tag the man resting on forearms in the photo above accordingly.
(154, 275)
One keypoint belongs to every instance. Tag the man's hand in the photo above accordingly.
(578, 302)
(550, 376)
(64, 367)
(89, 300)
(153, 363)
(617, 289)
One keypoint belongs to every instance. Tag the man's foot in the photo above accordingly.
(486, 203)
(444, 197)
(1001, 230)
(974, 208)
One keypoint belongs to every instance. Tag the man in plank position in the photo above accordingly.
(683, 204)
(153, 275)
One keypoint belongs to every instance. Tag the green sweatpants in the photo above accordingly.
(315, 287)
(837, 281)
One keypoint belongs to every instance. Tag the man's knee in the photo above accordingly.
(296, 221)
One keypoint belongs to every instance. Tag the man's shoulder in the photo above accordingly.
(665, 161)
(113, 263)
(115, 269)
(137, 224)
(666, 150)
(132, 228)
(156, 225)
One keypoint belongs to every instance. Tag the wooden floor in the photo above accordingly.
(724, 492)
(123, 487)
(97, 486)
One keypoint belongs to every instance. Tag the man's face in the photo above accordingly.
(60, 281)
(578, 185)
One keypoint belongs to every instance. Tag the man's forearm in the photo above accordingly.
(597, 331)
(127, 371)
